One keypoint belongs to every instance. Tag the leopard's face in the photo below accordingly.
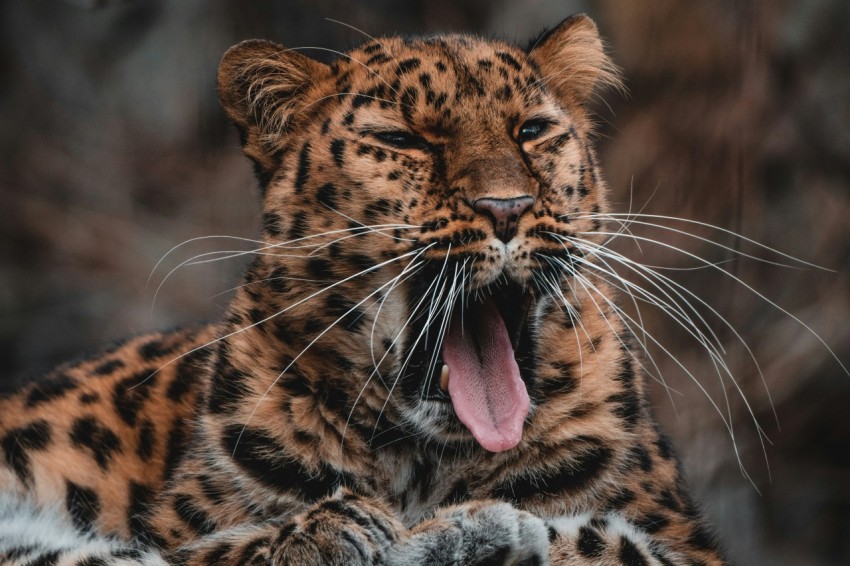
(423, 195)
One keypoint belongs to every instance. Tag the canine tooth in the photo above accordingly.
(444, 378)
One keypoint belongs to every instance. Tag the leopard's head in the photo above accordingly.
(421, 199)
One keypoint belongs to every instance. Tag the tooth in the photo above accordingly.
(444, 378)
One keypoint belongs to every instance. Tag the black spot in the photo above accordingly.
(298, 228)
(376, 208)
(509, 60)
(175, 447)
(376, 59)
(217, 554)
(254, 552)
(83, 505)
(408, 102)
(147, 438)
(156, 348)
(626, 407)
(626, 375)
(629, 554)
(131, 393)
(621, 499)
(228, 387)
(303, 174)
(361, 100)
(256, 316)
(653, 522)
(338, 151)
(195, 518)
(590, 544)
(45, 559)
(262, 457)
(89, 398)
(141, 497)
(93, 561)
(272, 224)
(665, 447)
(277, 281)
(17, 442)
(86, 432)
(187, 374)
(108, 367)
(701, 538)
(335, 399)
(407, 66)
(361, 262)
(52, 388)
(339, 307)
(458, 494)
(327, 195)
(642, 456)
(319, 268)
(563, 384)
(211, 490)
(667, 500)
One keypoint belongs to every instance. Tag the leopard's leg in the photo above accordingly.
(349, 529)
(610, 538)
(476, 532)
(32, 535)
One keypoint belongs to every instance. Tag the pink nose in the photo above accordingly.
(504, 213)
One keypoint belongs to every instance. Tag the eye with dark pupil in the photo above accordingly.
(532, 130)
(400, 139)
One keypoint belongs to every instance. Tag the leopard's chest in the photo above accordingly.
(415, 487)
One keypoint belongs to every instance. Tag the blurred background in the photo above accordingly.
(113, 150)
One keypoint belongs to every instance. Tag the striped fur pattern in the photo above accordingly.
(310, 426)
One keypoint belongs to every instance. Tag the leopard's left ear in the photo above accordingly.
(573, 60)
(265, 88)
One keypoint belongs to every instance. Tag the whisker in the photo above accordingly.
(220, 255)
(392, 344)
(714, 349)
(613, 216)
(196, 239)
(727, 423)
(301, 353)
(350, 58)
(422, 333)
(658, 280)
(756, 293)
(278, 313)
(265, 280)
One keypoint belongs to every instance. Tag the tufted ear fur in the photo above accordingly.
(262, 87)
(573, 60)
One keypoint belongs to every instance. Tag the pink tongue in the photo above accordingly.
(487, 393)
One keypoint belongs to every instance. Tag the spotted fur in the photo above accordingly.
(300, 429)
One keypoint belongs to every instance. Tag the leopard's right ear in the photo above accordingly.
(262, 87)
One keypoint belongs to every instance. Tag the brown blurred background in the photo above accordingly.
(113, 150)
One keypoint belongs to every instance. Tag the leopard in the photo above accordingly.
(425, 362)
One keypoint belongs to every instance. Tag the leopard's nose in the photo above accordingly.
(504, 213)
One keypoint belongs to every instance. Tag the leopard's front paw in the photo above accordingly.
(479, 533)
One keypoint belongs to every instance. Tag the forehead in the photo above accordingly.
(433, 75)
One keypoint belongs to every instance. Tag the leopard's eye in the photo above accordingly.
(401, 139)
(531, 130)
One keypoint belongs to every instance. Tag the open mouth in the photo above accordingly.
(477, 371)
